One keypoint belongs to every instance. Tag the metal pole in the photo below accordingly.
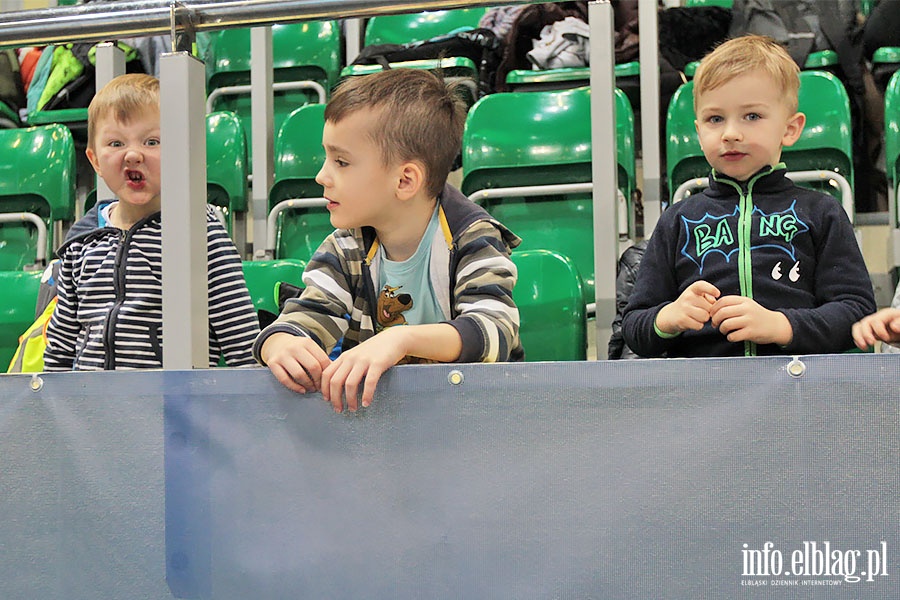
(184, 258)
(353, 36)
(104, 20)
(650, 153)
(110, 64)
(604, 172)
(262, 108)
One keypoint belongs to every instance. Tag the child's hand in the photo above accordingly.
(296, 361)
(690, 310)
(883, 325)
(367, 361)
(742, 319)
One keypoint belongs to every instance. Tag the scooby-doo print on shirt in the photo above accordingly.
(720, 237)
(392, 305)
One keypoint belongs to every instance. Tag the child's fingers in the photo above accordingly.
(287, 379)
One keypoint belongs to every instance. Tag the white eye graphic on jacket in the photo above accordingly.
(793, 275)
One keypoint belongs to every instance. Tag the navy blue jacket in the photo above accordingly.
(789, 248)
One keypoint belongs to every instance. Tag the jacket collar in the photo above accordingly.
(769, 179)
(456, 213)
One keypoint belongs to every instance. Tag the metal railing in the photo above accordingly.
(102, 21)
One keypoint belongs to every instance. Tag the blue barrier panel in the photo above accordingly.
(720, 478)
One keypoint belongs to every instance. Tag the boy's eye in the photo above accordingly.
(341, 163)
(153, 142)
(715, 119)
(115, 144)
(754, 117)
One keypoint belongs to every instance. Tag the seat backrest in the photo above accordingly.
(262, 276)
(538, 138)
(417, 27)
(306, 51)
(298, 155)
(549, 294)
(37, 175)
(535, 138)
(892, 130)
(226, 161)
(17, 305)
(826, 142)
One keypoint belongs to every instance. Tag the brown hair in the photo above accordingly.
(123, 98)
(746, 54)
(417, 117)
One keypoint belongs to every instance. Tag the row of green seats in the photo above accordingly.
(548, 295)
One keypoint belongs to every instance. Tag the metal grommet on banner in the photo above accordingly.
(36, 383)
(796, 368)
(455, 377)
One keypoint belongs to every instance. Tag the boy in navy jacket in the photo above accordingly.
(754, 265)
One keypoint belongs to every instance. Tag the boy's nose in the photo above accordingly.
(132, 156)
(731, 132)
(320, 176)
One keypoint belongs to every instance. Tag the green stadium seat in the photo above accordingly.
(226, 164)
(417, 27)
(264, 276)
(309, 51)
(17, 305)
(719, 3)
(525, 80)
(892, 137)
(825, 144)
(823, 60)
(454, 69)
(37, 177)
(298, 157)
(549, 297)
(885, 62)
(73, 118)
(538, 138)
(8, 117)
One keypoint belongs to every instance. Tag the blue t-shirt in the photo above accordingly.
(405, 295)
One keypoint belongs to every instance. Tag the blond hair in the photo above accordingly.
(416, 117)
(746, 54)
(123, 98)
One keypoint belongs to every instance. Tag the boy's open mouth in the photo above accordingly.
(134, 176)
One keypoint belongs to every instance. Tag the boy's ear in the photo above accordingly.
(411, 180)
(92, 157)
(793, 130)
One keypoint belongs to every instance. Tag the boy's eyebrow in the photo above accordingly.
(335, 149)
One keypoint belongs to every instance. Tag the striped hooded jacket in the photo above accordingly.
(471, 273)
(109, 314)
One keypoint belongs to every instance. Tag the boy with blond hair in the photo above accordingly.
(412, 260)
(109, 311)
(754, 265)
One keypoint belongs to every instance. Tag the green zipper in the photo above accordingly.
(744, 233)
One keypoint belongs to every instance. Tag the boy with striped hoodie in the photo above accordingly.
(412, 260)
(109, 311)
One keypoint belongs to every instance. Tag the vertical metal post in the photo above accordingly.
(650, 153)
(262, 104)
(604, 172)
(353, 37)
(184, 261)
(110, 64)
